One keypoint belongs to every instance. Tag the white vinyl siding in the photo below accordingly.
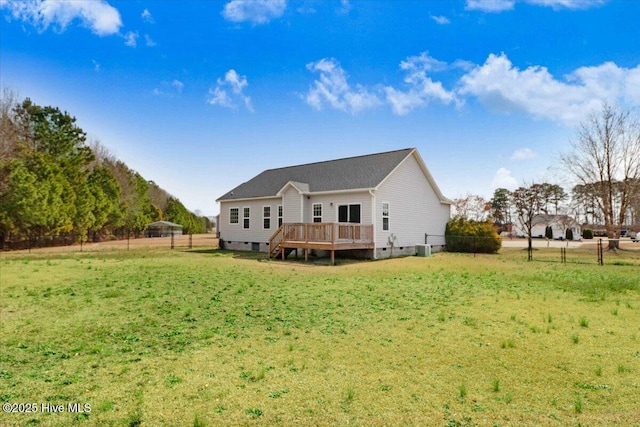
(257, 233)
(292, 203)
(416, 207)
(331, 202)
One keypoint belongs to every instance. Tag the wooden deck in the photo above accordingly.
(329, 236)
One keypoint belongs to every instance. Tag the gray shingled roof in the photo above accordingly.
(333, 175)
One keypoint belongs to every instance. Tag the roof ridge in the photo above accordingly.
(342, 158)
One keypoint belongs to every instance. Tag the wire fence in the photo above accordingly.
(564, 252)
(592, 253)
(60, 242)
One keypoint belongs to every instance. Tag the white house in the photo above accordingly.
(378, 205)
(559, 225)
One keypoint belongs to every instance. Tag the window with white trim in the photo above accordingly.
(234, 214)
(246, 214)
(385, 216)
(317, 212)
(266, 217)
(279, 215)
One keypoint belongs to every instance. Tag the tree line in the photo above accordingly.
(56, 188)
(604, 165)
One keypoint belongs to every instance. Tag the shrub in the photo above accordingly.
(587, 233)
(464, 235)
(569, 234)
(548, 232)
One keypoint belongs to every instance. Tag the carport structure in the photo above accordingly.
(163, 229)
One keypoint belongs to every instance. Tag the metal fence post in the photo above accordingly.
(474, 246)
(600, 253)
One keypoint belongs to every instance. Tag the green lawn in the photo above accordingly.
(157, 337)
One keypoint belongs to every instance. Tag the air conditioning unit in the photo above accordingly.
(423, 250)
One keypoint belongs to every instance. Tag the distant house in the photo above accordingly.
(163, 229)
(377, 205)
(559, 225)
(598, 230)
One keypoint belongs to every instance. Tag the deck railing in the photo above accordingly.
(327, 232)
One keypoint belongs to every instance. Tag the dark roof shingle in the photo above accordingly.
(333, 175)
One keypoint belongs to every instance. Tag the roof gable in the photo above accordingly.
(361, 172)
(427, 175)
(301, 187)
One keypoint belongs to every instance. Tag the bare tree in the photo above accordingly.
(527, 202)
(101, 154)
(8, 126)
(635, 209)
(605, 156)
(472, 207)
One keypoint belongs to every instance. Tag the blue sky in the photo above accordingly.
(200, 96)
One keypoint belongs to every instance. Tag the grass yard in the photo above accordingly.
(155, 337)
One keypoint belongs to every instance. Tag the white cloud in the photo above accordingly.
(442, 20)
(495, 6)
(490, 5)
(147, 17)
(96, 65)
(234, 82)
(523, 154)
(332, 88)
(131, 38)
(219, 96)
(608, 82)
(567, 4)
(254, 11)
(178, 85)
(504, 179)
(345, 7)
(502, 86)
(169, 89)
(149, 41)
(497, 83)
(421, 88)
(100, 17)
(463, 65)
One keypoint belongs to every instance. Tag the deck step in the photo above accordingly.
(277, 253)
